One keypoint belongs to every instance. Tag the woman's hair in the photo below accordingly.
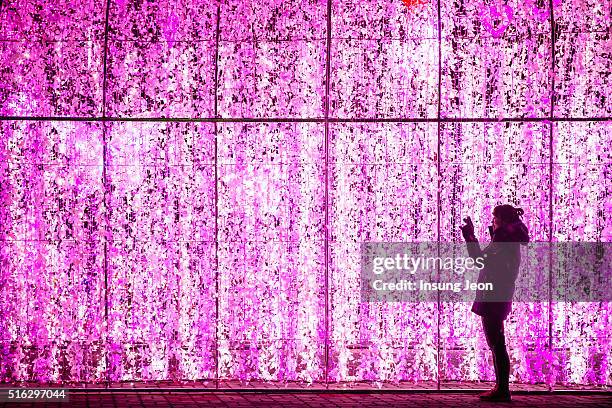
(508, 213)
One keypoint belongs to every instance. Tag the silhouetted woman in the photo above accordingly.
(502, 258)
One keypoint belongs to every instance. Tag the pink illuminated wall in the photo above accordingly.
(184, 185)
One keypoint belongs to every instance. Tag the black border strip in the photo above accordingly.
(322, 391)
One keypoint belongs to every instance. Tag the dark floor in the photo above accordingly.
(105, 399)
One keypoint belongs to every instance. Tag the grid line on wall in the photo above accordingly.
(546, 119)
(326, 195)
(550, 180)
(106, 190)
(216, 130)
(307, 39)
(439, 181)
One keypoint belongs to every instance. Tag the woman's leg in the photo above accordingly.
(496, 339)
(497, 376)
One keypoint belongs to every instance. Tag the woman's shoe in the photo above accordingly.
(496, 395)
(488, 394)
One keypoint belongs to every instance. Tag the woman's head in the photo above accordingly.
(506, 214)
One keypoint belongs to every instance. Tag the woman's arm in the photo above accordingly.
(473, 246)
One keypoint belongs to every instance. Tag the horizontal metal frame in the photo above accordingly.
(301, 120)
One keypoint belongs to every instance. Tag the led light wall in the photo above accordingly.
(184, 185)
